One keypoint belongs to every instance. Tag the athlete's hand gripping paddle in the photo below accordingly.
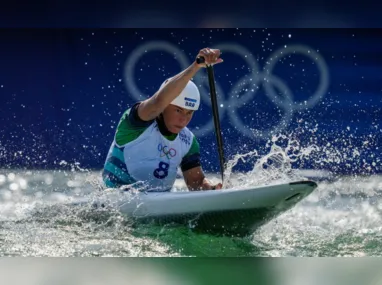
(215, 111)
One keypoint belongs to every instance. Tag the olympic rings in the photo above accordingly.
(169, 153)
(243, 90)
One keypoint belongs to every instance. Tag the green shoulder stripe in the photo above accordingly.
(126, 132)
(194, 147)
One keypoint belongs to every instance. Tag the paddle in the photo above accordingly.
(211, 80)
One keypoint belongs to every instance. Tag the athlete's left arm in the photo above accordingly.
(196, 180)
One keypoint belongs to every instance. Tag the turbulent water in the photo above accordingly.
(342, 217)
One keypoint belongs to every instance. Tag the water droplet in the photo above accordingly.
(11, 176)
(14, 186)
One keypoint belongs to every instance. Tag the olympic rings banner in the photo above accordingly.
(64, 92)
(249, 81)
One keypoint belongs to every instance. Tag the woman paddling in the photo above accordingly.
(152, 139)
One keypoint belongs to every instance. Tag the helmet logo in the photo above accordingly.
(190, 102)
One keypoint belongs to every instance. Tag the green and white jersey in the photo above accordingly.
(140, 152)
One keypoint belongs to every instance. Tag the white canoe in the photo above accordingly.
(228, 212)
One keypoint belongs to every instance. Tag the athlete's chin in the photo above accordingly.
(176, 129)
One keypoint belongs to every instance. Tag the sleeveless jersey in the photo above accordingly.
(140, 153)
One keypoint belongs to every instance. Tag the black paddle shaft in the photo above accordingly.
(215, 111)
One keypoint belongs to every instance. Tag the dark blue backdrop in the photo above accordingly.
(63, 91)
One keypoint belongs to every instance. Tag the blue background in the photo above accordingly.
(63, 91)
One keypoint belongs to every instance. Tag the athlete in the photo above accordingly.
(152, 139)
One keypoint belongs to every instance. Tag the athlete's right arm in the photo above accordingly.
(152, 107)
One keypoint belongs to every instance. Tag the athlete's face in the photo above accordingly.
(176, 118)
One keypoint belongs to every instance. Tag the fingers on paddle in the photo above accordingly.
(211, 56)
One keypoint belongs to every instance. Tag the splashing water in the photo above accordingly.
(310, 150)
(275, 166)
(35, 222)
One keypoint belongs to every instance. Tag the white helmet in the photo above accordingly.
(189, 98)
